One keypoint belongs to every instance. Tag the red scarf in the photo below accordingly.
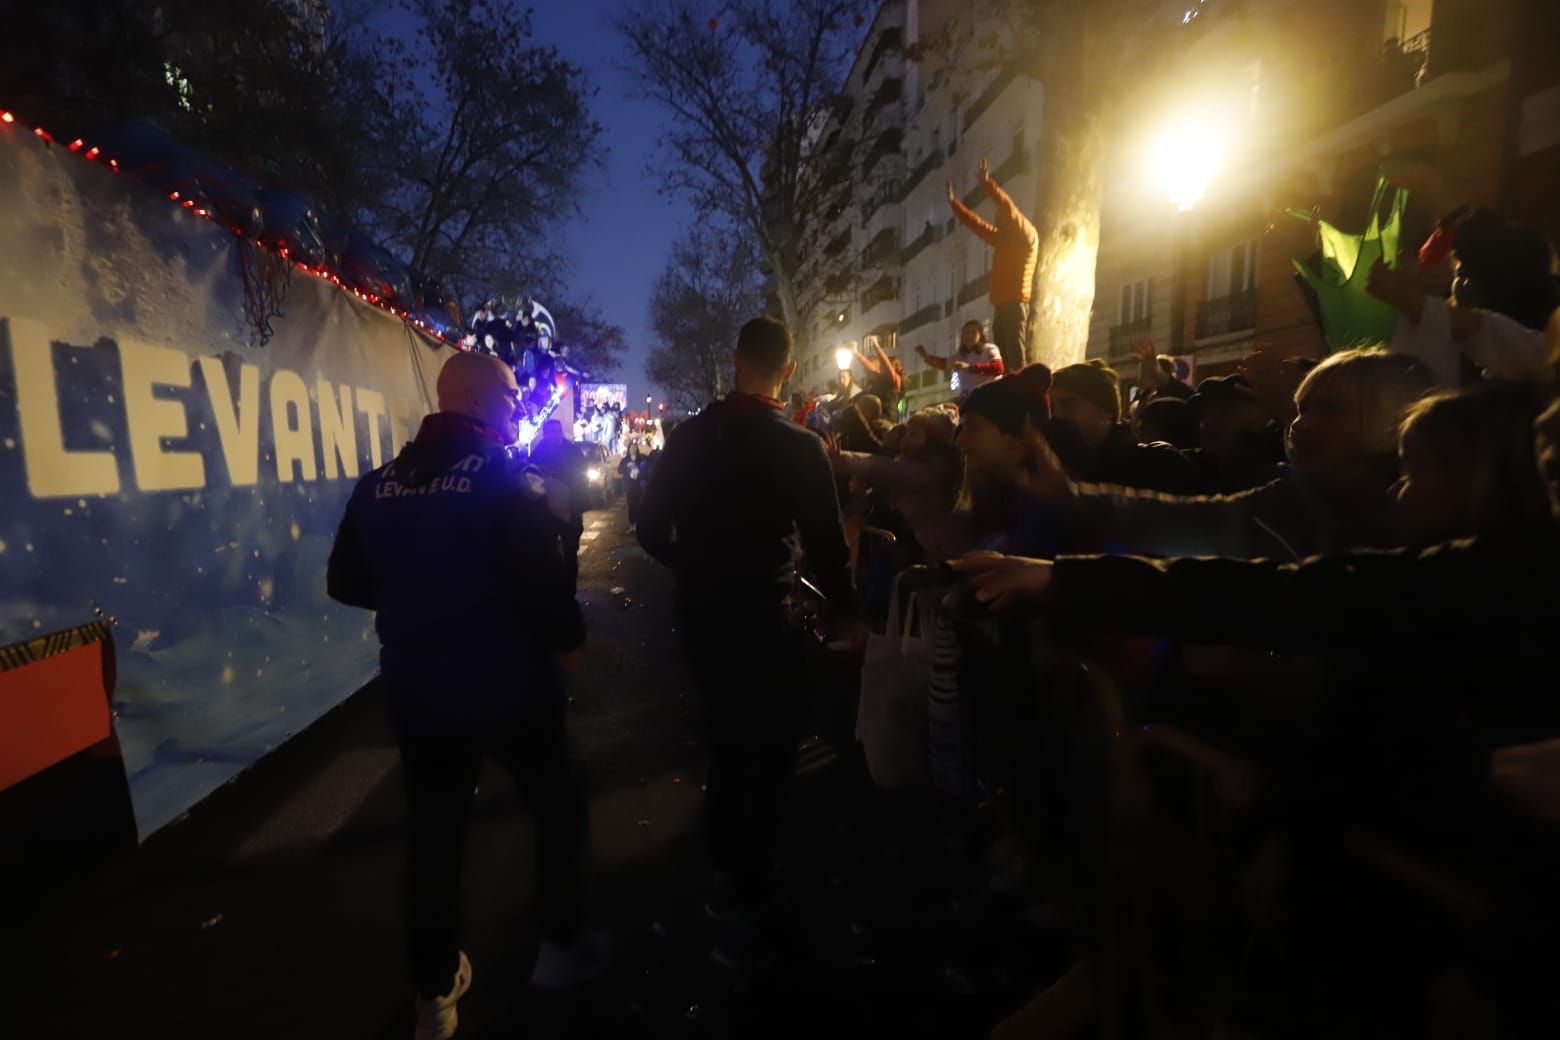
(740, 402)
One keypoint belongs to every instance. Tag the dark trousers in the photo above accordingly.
(440, 767)
(569, 541)
(746, 666)
(632, 492)
(1010, 332)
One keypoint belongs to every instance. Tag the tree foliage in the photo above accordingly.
(712, 283)
(484, 144)
(442, 127)
(748, 87)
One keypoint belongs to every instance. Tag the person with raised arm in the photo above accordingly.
(1016, 247)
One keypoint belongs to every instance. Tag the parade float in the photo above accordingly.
(195, 368)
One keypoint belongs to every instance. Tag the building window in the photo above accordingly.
(1135, 302)
(1232, 271)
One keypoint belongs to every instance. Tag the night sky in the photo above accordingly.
(626, 227)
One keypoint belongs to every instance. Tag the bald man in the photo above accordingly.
(454, 549)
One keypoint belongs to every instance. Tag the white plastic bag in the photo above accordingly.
(892, 721)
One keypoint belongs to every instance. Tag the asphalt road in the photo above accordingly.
(273, 910)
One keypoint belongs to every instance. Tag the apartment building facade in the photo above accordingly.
(916, 276)
(1312, 99)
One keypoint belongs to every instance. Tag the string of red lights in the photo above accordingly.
(94, 154)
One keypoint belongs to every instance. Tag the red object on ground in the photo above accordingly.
(50, 710)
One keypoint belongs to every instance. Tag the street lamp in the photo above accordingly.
(1185, 159)
(842, 358)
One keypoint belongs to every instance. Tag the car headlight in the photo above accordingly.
(593, 475)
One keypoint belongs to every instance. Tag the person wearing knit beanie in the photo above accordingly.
(1089, 396)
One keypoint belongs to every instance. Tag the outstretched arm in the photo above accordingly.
(939, 363)
(888, 365)
(869, 365)
(970, 219)
(1008, 213)
(821, 527)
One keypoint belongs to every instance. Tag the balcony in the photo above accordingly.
(924, 316)
(987, 97)
(887, 94)
(887, 144)
(885, 288)
(1126, 336)
(882, 251)
(928, 236)
(974, 290)
(932, 161)
(838, 285)
(889, 193)
(1234, 313)
(888, 41)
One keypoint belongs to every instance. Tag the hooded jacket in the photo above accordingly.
(454, 549)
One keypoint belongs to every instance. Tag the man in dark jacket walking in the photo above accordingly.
(734, 489)
(453, 547)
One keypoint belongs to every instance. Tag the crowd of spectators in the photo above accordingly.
(1255, 674)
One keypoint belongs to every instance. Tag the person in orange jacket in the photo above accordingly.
(1017, 249)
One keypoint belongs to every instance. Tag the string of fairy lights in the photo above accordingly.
(92, 153)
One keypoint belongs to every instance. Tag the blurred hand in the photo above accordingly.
(1398, 287)
(1529, 774)
(985, 168)
(921, 350)
(572, 660)
(1150, 375)
(1001, 580)
(1293, 237)
(953, 196)
(960, 366)
(831, 443)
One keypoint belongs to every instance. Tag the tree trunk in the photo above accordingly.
(785, 289)
(1067, 217)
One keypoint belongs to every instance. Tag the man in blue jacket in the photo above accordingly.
(452, 545)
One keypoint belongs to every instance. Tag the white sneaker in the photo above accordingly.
(436, 1018)
(558, 969)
